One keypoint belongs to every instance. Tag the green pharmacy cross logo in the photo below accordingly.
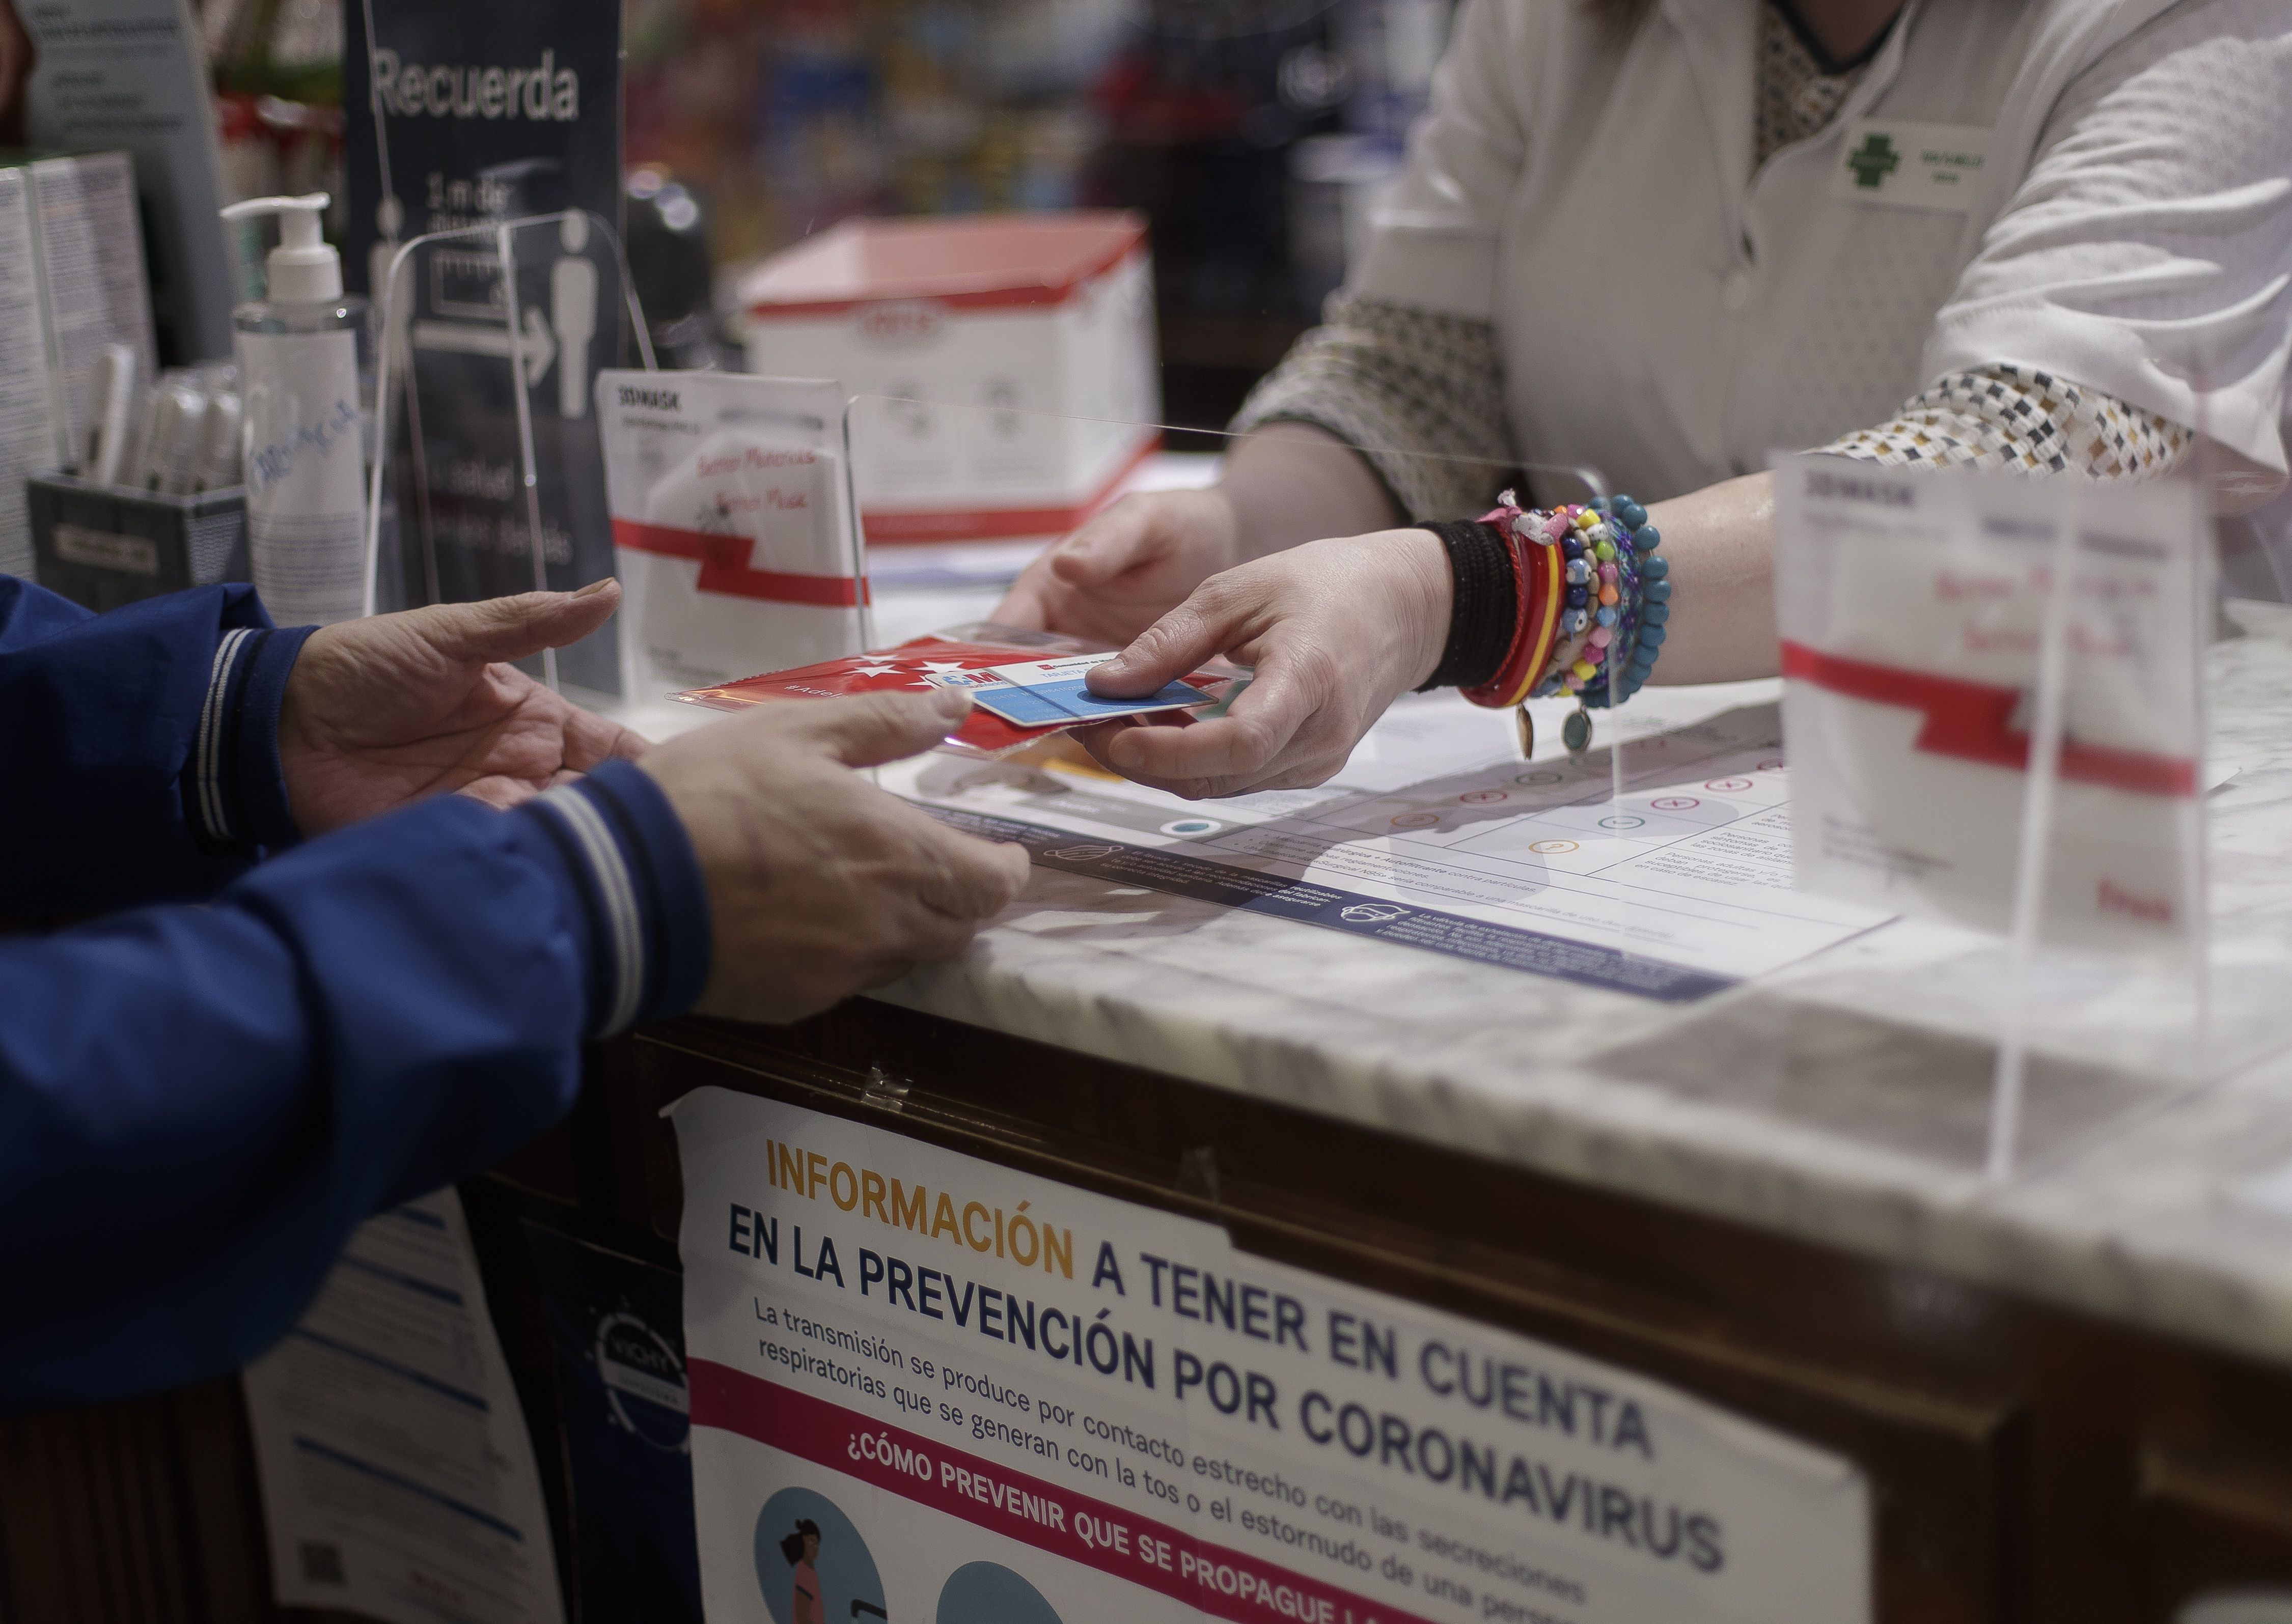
(1874, 161)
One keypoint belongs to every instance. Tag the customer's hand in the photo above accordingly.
(1337, 629)
(821, 884)
(384, 710)
(1121, 572)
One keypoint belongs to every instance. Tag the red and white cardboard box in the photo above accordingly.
(1002, 366)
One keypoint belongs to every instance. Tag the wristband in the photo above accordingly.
(1484, 611)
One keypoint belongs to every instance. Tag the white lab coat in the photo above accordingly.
(1669, 317)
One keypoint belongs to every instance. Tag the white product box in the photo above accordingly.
(71, 281)
(1002, 367)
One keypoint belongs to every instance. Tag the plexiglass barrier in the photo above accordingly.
(1658, 864)
(1997, 720)
(1653, 867)
(488, 476)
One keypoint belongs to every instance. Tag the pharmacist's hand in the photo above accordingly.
(386, 710)
(821, 884)
(1128, 567)
(1337, 629)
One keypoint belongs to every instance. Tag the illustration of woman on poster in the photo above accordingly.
(802, 1548)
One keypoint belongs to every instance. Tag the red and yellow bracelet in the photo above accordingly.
(1537, 579)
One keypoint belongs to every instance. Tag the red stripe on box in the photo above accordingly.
(1971, 721)
(723, 562)
(994, 523)
(1223, 1583)
(999, 293)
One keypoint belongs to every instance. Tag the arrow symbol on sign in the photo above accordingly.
(461, 338)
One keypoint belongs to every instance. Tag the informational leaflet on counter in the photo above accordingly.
(1437, 835)
(1912, 607)
(399, 1480)
(928, 1388)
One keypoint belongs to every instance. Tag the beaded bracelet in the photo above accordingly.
(1642, 606)
(1610, 565)
(1590, 602)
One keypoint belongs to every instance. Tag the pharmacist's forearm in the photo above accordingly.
(1291, 483)
(1721, 541)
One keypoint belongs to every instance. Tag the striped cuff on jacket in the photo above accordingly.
(233, 790)
(640, 885)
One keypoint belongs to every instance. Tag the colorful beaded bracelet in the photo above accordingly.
(1633, 601)
(1590, 603)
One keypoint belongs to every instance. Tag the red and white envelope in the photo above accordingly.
(923, 664)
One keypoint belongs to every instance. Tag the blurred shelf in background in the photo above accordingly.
(1255, 135)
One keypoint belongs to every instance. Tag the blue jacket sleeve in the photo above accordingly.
(197, 1103)
(138, 749)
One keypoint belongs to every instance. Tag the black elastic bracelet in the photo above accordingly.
(1487, 601)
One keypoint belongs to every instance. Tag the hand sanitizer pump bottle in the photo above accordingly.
(303, 352)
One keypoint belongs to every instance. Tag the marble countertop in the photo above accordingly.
(2156, 1179)
(1844, 1100)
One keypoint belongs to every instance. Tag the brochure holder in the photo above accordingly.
(488, 473)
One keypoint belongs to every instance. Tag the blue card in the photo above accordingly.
(1042, 693)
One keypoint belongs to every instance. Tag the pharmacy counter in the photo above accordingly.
(2071, 1386)
(2068, 1390)
(1842, 1101)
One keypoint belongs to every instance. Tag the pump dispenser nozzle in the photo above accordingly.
(305, 268)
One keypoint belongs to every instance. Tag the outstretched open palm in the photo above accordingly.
(384, 710)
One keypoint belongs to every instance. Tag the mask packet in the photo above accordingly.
(735, 535)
